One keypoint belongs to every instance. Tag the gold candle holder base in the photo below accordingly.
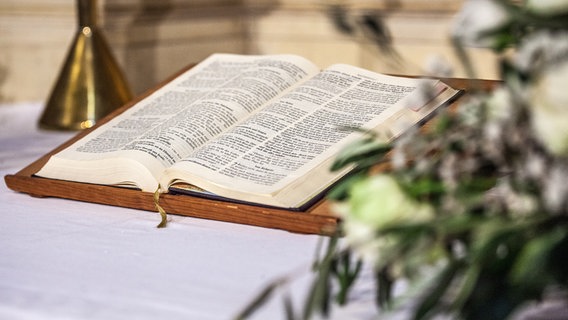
(90, 84)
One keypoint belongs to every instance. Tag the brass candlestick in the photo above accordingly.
(90, 84)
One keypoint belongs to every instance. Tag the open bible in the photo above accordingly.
(257, 129)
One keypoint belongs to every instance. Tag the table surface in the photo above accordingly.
(62, 259)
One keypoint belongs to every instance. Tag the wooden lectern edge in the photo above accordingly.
(316, 220)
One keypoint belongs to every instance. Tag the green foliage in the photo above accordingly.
(364, 153)
(495, 233)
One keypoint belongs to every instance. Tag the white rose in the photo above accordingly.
(379, 202)
(547, 7)
(549, 100)
(499, 110)
(361, 238)
(544, 58)
(376, 203)
(476, 19)
(541, 50)
(500, 105)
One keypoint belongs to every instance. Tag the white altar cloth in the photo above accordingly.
(62, 259)
(69, 260)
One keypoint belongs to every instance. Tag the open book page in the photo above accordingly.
(136, 146)
(281, 154)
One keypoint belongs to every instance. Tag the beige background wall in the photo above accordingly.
(153, 39)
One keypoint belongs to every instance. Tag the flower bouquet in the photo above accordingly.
(473, 212)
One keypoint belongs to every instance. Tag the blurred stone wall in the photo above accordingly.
(154, 39)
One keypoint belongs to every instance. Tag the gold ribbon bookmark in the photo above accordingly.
(161, 210)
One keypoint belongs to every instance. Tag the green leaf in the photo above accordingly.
(467, 286)
(443, 123)
(423, 186)
(319, 295)
(432, 296)
(341, 190)
(289, 308)
(346, 274)
(318, 298)
(259, 300)
(496, 243)
(476, 185)
(384, 288)
(531, 268)
(361, 151)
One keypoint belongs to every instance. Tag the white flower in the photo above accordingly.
(549, 101)
(469, 110)
(500, 105)
(499, 109)
(361, 237)
(535, 165)
(520, 204)
(438, 66)
(375, 203)
(544, 57)
(541, 51)
(477, 19)
(556, 189)
(547, 7)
